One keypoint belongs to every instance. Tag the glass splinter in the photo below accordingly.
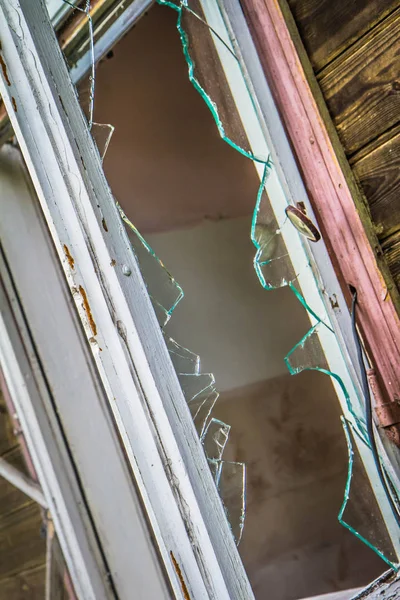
(231, 484)
(360, 512)
(102, 134)
(184, 361)
(214, 439)
(201, 408)
(164, 291)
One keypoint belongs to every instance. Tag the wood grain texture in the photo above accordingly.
(391, 249)
(362, 86)
(328, 28)
(26, 585)
(11, 498)
(378, 173)
(56, 575)
(7, 437)
(22, 546)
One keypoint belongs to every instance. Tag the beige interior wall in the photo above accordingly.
(180, 183)
(288, 432)
(167, 164)
(238, 329)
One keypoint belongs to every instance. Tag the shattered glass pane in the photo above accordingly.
(210, 58)
(272, 262)
(211, 65)
(165, 294)
(360, 512)
(309, 355)
(163, 290)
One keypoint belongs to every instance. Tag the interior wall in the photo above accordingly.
(237, 328)
(288, 432)
(166, 164)
(193, 196)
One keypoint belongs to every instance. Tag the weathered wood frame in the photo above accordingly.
(330, 186)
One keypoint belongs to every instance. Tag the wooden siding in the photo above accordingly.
(22, 547)
(354, 49)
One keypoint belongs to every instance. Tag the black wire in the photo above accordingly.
(368, 409)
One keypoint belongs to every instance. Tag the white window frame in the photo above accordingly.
(143, 392)
(163, 449)
(71, 398)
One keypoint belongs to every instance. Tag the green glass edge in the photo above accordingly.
(347, 496)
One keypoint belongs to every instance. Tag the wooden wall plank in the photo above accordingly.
(362, 86)
(7, 438)
(11, 498)
(21, 544)
(378, 173)
(391, 248)
(26, 585)
(354, 50)
(329, 27)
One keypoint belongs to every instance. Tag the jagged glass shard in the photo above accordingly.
(185, 362)
(309, 355)
(198, 388)
(231, 484)
(203, 47)
(164, 291)
(161, 313)
(201, 408)
(214, 439)
(360, 512)
(102, 134)
(272, 262)
(215, 467)
(194, 386)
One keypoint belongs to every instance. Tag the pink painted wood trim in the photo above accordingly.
(329, 192)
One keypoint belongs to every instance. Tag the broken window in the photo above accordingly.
(188, 197)
(177, 217)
